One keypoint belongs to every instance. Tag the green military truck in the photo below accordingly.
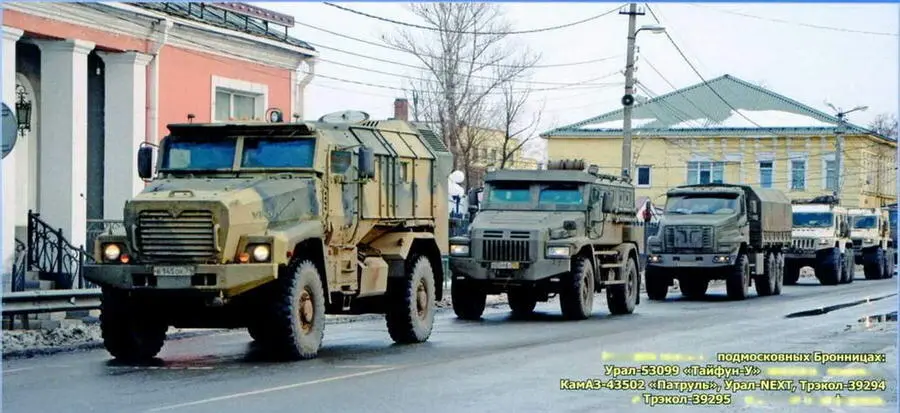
(872, 244)
(271, 226)
(565, 230)
(735, 233)
(821, 240)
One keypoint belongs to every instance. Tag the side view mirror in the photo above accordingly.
(754, 207)
(366, 163)
(145, 162)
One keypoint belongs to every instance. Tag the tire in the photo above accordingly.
(765, 282)
(411, 302)
(468, 301)
(576, 295)
(791, 273)
(657, 285)
(779, 273)
(521, 301)
(737, 285)
(828, 266)
(622, 298)
(294, 323)
(891, 265)
(692, 287)
(850, 266)
(873, 266)
(129, 333)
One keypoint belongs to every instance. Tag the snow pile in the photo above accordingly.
(764, 118)
(65, 335)
(617, 124)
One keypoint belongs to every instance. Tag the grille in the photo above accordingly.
(804, 243)
(189, 236)
(689, 237)
(516, 248)
(857, 243)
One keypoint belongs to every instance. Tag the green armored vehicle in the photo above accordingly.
(562, 231)
(270, 226)
(735, 233)
(821, 240)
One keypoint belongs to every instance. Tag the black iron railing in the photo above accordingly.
(53, 256)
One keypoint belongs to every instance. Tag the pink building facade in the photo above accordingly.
(102, 78)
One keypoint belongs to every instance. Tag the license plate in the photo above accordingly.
(178, 271)
(505, 265)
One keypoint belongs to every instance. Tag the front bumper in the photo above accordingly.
(525, 271)
(229, 280)
(690, 260)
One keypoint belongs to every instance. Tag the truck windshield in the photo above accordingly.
(519, 193)
(813, 219)
(204, 154)
(865, 222)
(702, 204)
(567, 194)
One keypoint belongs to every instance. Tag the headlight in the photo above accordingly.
(824, 242)
(557, 252)
(261, 253)
(111, 252)
(868, 240)
(459, 250)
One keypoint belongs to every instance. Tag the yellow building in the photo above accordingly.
(486, 153)
(758, 138)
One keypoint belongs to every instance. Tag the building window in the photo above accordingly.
(705, 172)
(765, 174)
(831, 175)
(798, 175)
(238, 100)
(643, 176)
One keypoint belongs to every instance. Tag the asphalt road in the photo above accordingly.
(495, 365)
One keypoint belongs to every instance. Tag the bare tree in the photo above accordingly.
(467, 58)
(885, 124)
(516, 131)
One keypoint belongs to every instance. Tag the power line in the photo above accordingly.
(399, 49)
(417, 26)
(775, 20)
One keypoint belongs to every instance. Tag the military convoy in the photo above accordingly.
(872, 244)
(568, 230)
(270, 226)
(821, 240)
(735, 233)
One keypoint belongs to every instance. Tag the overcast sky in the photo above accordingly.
(808, 64)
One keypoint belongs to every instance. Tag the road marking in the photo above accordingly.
(272, 389)
(370, 366)
(17, 370)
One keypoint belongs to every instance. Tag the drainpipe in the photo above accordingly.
(163, 27)
(300, 89)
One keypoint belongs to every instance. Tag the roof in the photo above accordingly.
(209, 13)
(698, 111)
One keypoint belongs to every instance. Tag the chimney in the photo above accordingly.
(401, 109)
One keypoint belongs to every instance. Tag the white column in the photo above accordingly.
(8, 165)
(64, 136)
(126, 122)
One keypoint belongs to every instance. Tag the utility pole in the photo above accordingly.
(839, 154)
(628, 98)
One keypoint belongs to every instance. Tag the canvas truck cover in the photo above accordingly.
(774, 209)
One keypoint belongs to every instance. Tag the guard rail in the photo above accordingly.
(50, 301)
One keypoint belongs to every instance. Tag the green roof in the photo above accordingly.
(214, 16)
(698, 111)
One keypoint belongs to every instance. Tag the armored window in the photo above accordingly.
(278, 153)
(643, 176)
(404, 172)
(765, 174)
(798, 175)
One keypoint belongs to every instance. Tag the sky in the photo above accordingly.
(812, 53)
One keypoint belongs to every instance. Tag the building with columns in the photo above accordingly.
(102, 78)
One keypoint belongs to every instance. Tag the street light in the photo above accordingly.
(628, 99)
(839, 142)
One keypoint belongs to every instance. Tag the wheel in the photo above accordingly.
(129, 333)
(850, 266)
(888, 271)
(791, 272)
(692, 287)
(622, 298)
(576, 295)
(828, 266)
(891, 264)
(779, 273)
(737, 285)
(765, 282)
(873, 265)
(656, 284)
(410, 309)
(294, 318)
(521, 301)
(468, 301)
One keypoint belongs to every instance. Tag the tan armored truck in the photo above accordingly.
(873, 247)
(270, 226)
(821, 240)
(566, 230)
(735, 233)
